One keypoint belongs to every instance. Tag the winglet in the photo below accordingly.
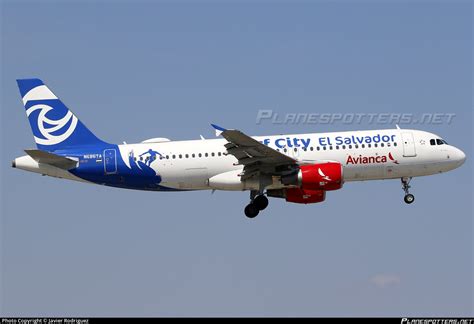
(219, 130)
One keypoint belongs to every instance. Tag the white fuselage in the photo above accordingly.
(407, 153)
(205, 164)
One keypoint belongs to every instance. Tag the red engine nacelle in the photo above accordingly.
(321, 176)
(304, 196)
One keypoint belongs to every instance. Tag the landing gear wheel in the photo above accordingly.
(409, 198)
(251, 210)
(261, 202)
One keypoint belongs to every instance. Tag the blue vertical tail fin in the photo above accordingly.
(54, 126)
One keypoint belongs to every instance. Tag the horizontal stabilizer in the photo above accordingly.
(52, 159)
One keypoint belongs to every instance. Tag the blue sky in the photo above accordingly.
(137, 70)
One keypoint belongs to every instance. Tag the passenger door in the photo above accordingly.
(408, 144)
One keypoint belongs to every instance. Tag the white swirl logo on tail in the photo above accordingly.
(47, 133)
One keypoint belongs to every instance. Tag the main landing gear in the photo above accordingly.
(409, 198)
(258, 202)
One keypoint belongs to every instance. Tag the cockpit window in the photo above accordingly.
(437, 141)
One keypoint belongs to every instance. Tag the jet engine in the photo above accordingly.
(321, 176)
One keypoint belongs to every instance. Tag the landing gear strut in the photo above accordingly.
(409, 198)
(258, 202)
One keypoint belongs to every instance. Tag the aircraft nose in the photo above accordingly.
(459, 156)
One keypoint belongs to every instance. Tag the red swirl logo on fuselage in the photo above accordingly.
(370, 159)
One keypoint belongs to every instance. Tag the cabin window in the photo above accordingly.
(324, 148)
(219, 153)
(284, 150)
(174, 156)
(304, 149)
(212, 154)
(382, 145)
(369, 145)
(343, 147)
(388, 144)
(356, 146)
(394, 143)
(375, 145)
(337, 147)
(363, 145)
(180, 156)
(167, 157)
(187, 156)
(206, 155)
(296, 150)
(350, 146)
(193, 155)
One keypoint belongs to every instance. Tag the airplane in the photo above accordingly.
(299, 168)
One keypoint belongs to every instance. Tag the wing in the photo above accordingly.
(253, 155)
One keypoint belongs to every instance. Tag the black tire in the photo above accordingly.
(251, 211)
(261, 202)
(409, 198)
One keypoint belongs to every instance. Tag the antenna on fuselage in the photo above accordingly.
(398, 127)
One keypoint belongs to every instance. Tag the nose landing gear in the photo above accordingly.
(409, 198)
(258, 202)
